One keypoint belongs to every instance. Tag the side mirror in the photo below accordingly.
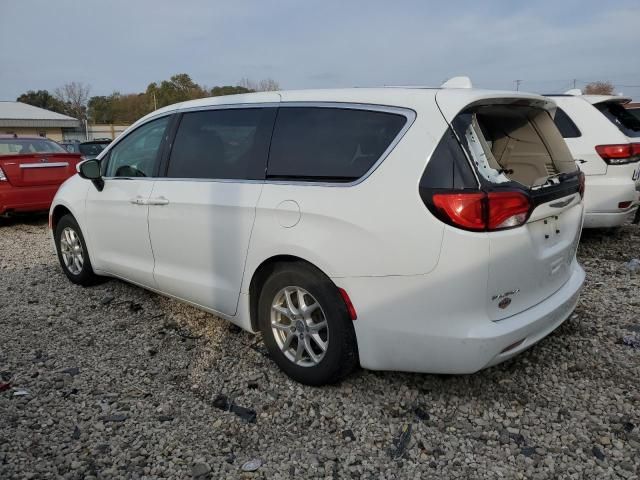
(90, 169)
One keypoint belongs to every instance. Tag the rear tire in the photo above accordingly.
(73, 254)
(299, 311)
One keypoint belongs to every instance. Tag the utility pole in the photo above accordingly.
(155, 104)
(574, 82)
(518, 82)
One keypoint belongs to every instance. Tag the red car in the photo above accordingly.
(31, 170)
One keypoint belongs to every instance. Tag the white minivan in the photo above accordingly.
(604, 139)
(415, 229)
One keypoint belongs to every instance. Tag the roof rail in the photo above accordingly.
(457, 82)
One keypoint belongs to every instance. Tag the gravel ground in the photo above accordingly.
(121, 382)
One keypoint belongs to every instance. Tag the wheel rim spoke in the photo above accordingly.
(283, 311)
(309, 349)
(299, 350)
(318, 341)
(316, 327)
(290, 305)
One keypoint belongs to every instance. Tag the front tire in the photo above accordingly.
(73, 254)
(306, 326)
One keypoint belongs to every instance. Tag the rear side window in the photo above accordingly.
(621, 118)
(448, 167)
(565, 125)
(329, 144)
(222, 144)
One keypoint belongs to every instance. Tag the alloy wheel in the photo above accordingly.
(71, 250)
(299, 326)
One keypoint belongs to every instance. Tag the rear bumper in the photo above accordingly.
(439, 343)
(25, 199)
(611, 219)
(603, 194)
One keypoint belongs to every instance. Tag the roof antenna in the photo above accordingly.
(457, 82)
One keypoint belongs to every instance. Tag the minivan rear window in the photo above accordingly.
(621, 118)
(329, 144)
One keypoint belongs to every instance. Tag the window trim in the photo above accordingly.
(105, 155)
(408, 113)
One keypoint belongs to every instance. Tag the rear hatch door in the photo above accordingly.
(25, 170)
(512, 142)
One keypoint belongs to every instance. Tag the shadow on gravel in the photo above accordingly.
(31, 219)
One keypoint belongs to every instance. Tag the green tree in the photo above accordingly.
(42, 99)
(100, 109)
(229, 90)
(178, 88)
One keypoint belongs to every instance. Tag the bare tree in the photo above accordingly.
(599, 88)
(75, 96)
(268, 85)
(264, 85)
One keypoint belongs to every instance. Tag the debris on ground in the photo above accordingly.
(260, 348)
(107, 300)
(224, 403)
(4, 386)
(421, 413)
(402, 442)
(252, 465)
(631, 340)
(633, 265)
(599, 454)
(20, 392)
(348, 435)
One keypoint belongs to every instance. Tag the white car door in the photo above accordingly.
(213, 182)
(117, 215)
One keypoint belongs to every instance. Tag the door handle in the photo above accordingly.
(579, 160)
(158, 201)
(138, 200)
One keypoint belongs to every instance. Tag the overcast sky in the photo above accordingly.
(123, 45)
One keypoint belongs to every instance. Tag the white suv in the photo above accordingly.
(428, 230)
(604, 138)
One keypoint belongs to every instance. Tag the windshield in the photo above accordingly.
(94, 149)
(621, 118)
(26, 146)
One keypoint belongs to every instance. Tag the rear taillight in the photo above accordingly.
(481, 211)
(507, 210)
(3, 177)
(465, 210)
(619, 154)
